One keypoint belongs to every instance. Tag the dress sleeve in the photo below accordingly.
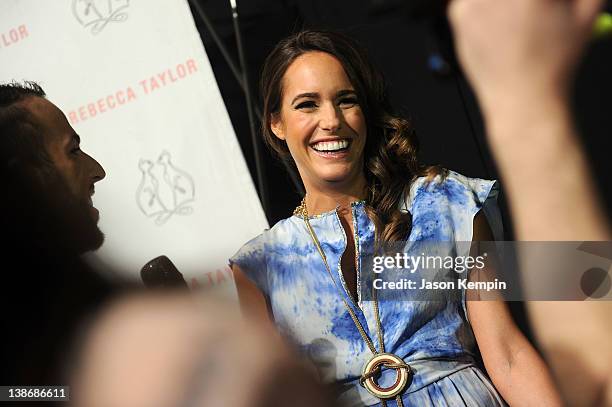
(479, 195)
(482, 197)
(251, 258)
(444, 208)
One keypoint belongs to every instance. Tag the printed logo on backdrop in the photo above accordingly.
(165, 190)
(97, 14)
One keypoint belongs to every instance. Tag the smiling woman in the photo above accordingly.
(319, 87)
(326, 112)
(322, 123)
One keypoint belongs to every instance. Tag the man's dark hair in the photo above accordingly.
(20, 141)
(14, 92)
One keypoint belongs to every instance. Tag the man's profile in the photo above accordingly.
(47, 220)
(41, 149)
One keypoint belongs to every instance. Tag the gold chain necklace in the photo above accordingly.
(380, 358)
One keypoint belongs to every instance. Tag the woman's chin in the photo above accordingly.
(337, 176)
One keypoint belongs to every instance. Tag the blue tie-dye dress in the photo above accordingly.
(434, 337)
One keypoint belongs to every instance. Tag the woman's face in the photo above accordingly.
(321, 121)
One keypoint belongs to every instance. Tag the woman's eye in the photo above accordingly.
(306, 105)
(75, 150)
(349, 101)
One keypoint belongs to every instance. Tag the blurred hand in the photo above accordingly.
(520, 48)
(163, 350)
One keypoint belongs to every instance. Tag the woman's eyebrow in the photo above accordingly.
(345, 92)
(305, 95)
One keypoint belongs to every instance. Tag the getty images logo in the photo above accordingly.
(596, 282)
(98, 13)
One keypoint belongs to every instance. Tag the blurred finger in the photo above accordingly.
(586, 11)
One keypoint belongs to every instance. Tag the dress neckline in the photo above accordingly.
(354, 204)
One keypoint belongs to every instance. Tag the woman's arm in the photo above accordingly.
(516, 369)
(252, 302)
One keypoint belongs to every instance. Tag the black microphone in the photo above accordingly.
(161, 272)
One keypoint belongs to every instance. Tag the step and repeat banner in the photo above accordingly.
(133, 79)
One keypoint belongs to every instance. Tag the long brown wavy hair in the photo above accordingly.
(390, 154)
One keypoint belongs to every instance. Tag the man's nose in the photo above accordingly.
(97, 172)
(331, 118)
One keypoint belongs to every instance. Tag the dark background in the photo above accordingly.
(400, 39)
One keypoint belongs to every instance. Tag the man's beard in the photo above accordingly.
(86, 234)
(40, 212)
(72, 228)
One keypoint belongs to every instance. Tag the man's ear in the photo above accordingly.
(276, 124)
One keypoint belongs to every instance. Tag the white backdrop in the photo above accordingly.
(134, 81)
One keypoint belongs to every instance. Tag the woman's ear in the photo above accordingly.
(276, 124)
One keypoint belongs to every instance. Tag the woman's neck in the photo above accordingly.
(324, 198)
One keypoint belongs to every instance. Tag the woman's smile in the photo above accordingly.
(333, 148)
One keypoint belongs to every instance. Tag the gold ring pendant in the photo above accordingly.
(402, 375)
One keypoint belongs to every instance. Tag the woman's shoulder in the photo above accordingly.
(445, 205)
(281, 231)
(253, 257)
(450, 188)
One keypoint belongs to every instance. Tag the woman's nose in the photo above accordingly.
(331, 119)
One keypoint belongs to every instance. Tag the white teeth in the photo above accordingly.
(331, 145)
